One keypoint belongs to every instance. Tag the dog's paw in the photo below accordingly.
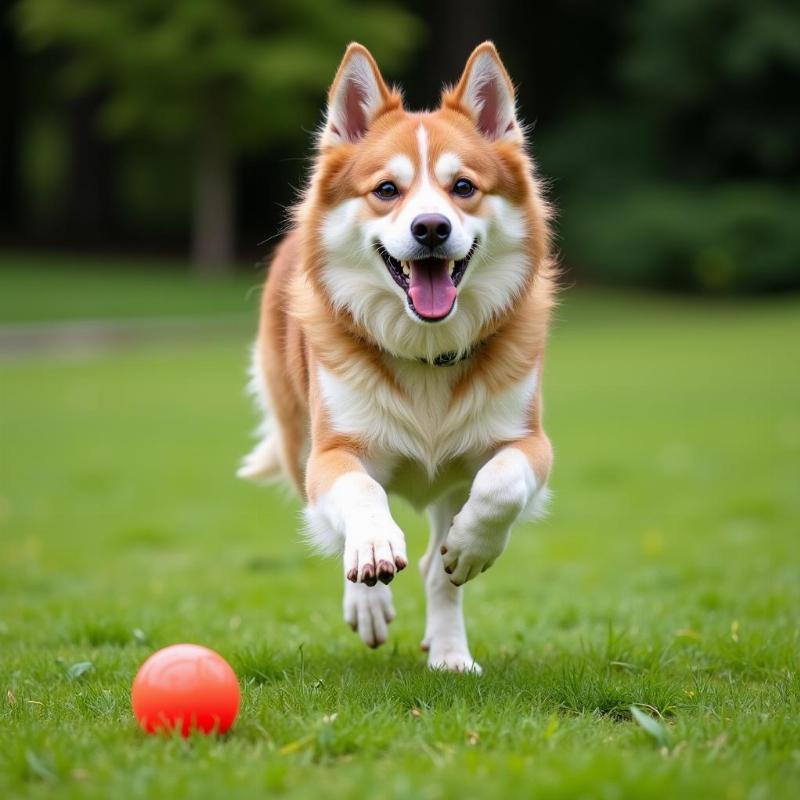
(502, 489)
(471, 548)
(368, 610)
(452, 659)
(375, 556)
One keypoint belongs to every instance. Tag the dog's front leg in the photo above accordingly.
(349, 511)
(508, 485)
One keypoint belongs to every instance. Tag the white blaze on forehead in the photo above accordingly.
(448, 165)
(422, 142)
(425, 198)
(402, 168)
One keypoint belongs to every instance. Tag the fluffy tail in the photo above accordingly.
(262, 464)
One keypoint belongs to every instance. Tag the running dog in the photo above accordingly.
(402, 338)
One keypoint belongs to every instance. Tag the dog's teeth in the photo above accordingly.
(406, 268)
(451, 265)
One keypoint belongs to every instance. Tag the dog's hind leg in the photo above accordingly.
(445, 632)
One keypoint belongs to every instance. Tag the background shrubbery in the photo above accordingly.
(731, 238)
(684, 173)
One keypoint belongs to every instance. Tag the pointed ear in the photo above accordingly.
(358, 95)
(486, 95)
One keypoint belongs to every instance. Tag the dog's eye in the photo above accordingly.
(463, 188)
(386, 190)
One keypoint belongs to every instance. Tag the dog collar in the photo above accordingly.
(450, 358)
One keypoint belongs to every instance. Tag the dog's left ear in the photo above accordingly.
(357, 96)
(486, 95)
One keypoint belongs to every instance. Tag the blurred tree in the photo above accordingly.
(10, 134)
(683, 171)
(714, 78)
(219, 75)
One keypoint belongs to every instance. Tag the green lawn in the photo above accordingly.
(36, 288)
(667, 576)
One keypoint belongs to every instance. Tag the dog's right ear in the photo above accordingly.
(486, 95)
(358, 95)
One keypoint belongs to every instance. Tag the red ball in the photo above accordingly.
(185, 687)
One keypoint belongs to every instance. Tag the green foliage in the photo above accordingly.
(732, 238)
(713, 77)
(688, 176)
(265, 64)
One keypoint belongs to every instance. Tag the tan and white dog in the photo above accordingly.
(401, 341)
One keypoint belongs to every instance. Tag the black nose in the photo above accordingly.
(431, 229)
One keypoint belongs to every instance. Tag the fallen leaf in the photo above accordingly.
(140, 636)
(651, 726)
(38, 768)
(79, 669)
(293, 747)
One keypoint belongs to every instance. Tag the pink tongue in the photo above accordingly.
(432, 290)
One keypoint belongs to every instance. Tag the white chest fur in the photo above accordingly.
(425, 424)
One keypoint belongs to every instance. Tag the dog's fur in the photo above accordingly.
(355, 405)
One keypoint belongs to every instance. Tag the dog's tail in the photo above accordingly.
(263, 463)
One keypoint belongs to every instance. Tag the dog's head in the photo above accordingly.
(427, 226)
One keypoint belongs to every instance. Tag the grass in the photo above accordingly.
(667, 578)
(41, 288)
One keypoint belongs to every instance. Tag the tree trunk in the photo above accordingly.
(12, 68)
(87, 215)
(213, 224)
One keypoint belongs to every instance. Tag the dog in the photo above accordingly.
(401, 341)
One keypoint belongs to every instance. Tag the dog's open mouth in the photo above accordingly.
(429, 283)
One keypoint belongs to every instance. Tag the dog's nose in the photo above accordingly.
(431, 229)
